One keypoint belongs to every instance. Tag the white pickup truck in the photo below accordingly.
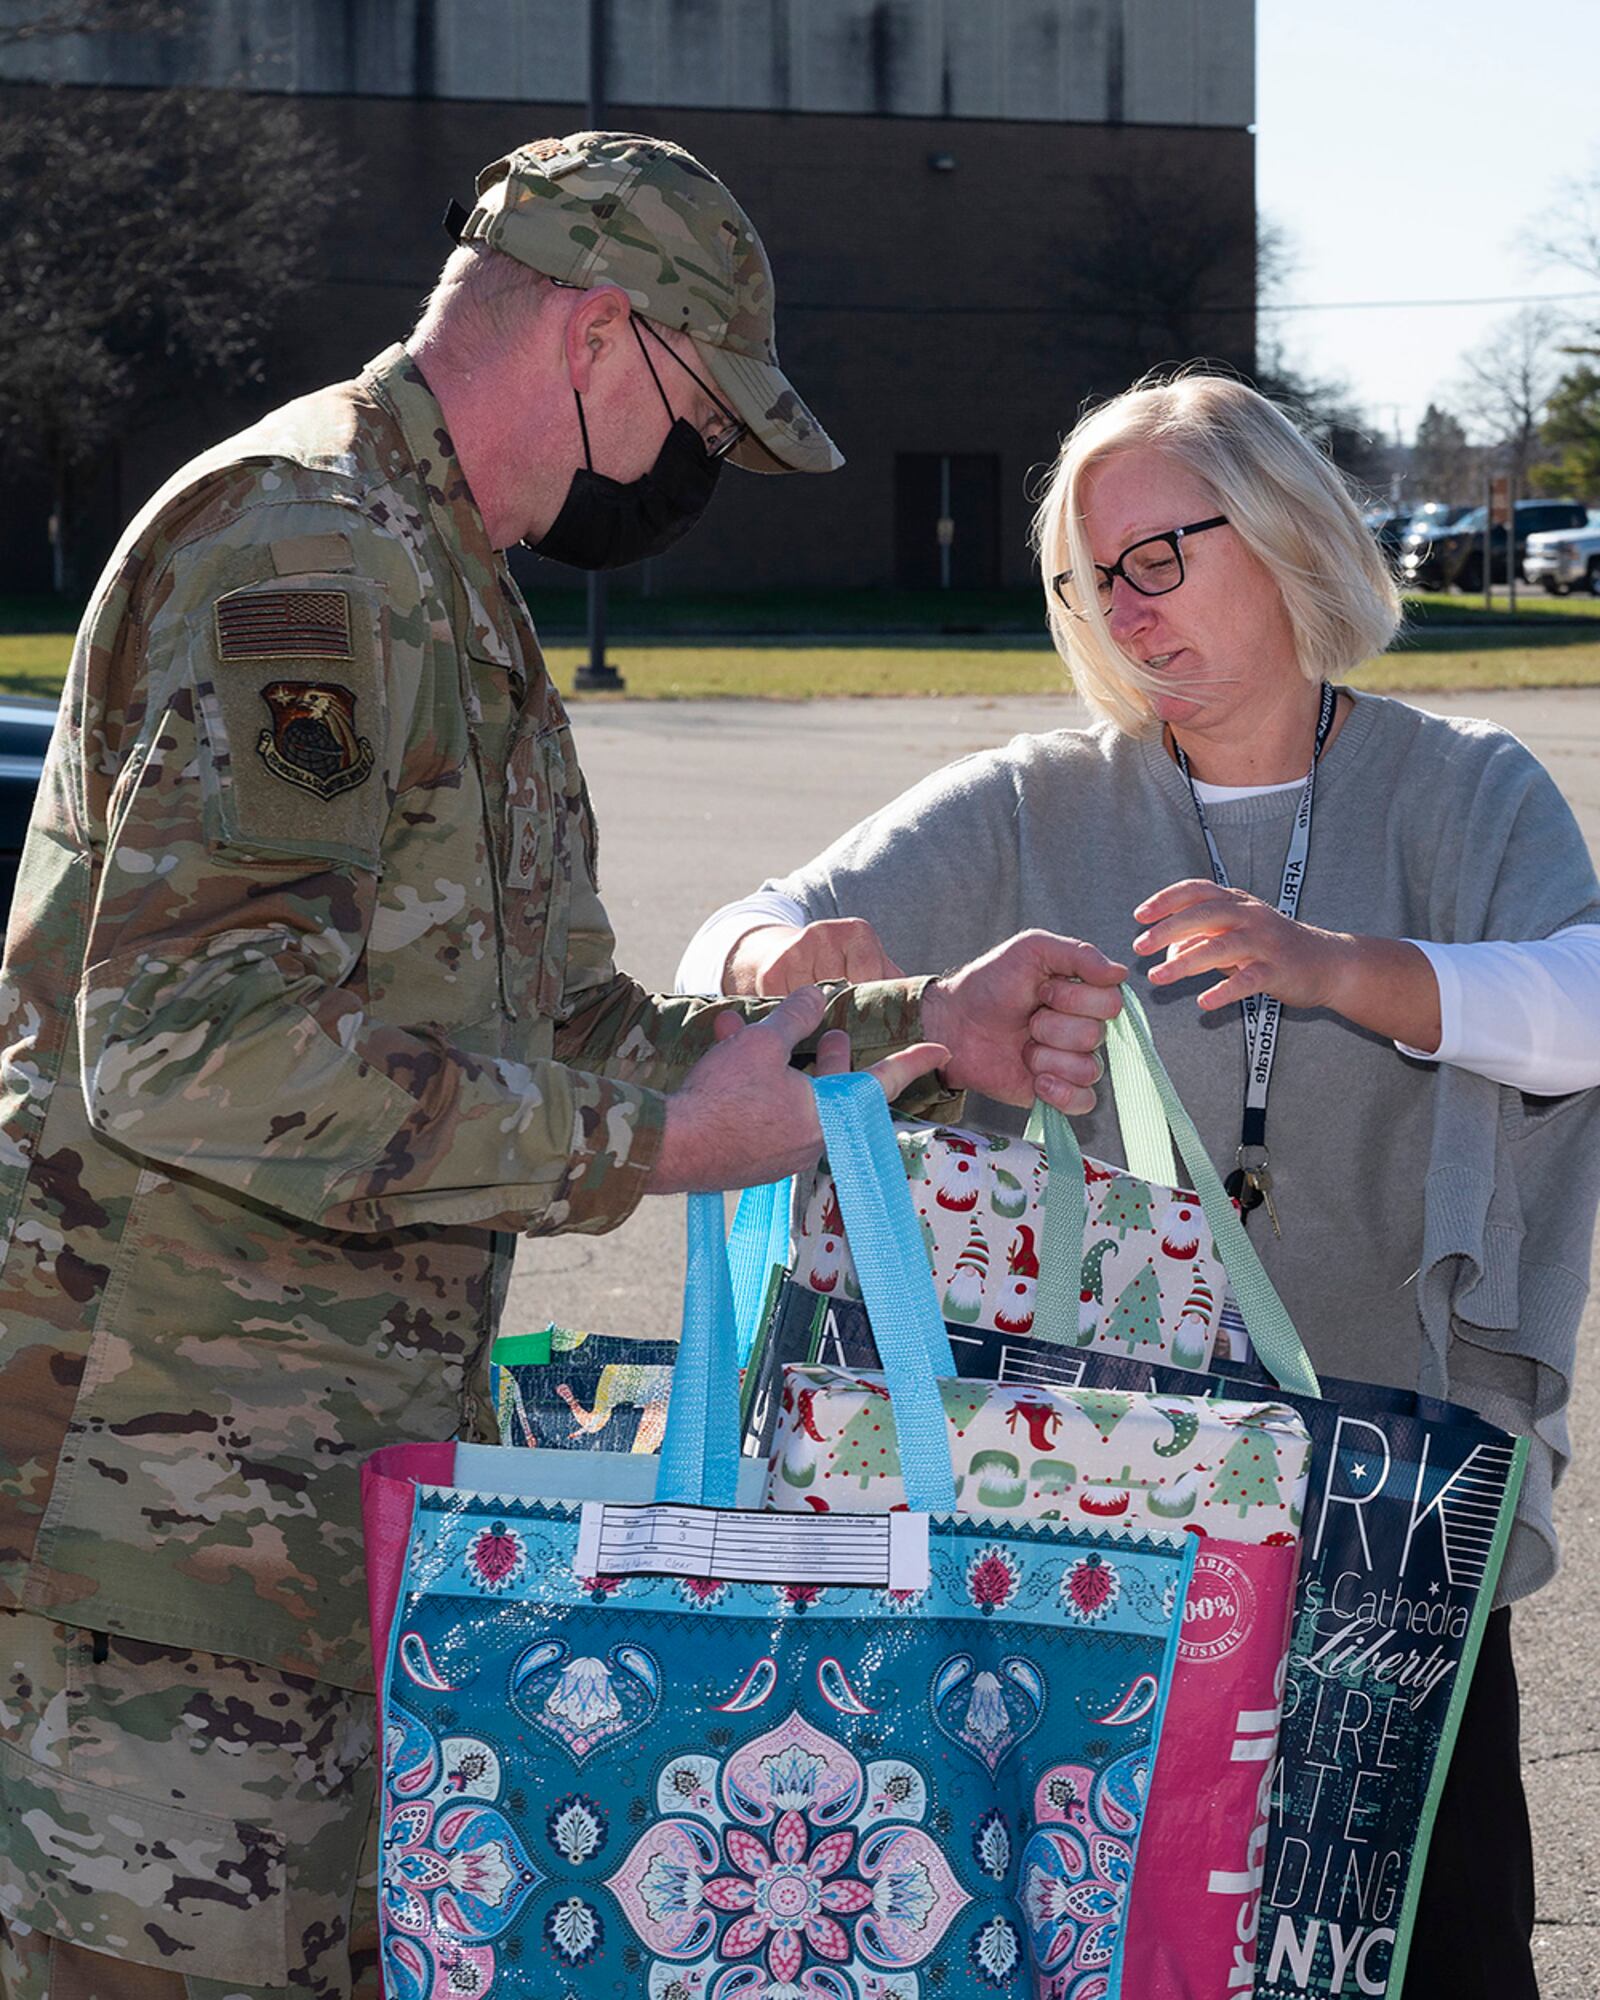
(1566, 558)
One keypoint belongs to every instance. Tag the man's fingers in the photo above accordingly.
(1071, 958)
(797, 1016)
(726, 1025)
(833, 1053)
(1065, 1066)
(1079, 1032)
(1076, 1100)
(1093, 1003)
(899, 1071)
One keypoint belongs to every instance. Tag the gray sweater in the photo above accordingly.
(1437, 1227)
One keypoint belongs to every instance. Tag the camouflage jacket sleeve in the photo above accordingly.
(228, 1014)
(655, 1039)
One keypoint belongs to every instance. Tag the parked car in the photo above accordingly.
(1566, 559)
(1390, 531)
(25, 726)
(1453, 556)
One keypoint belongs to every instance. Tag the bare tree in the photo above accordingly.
(150, 236)
(1324, 407)
(1506, 385)
(1173, 278)
(1570, 234)
(1444, 465)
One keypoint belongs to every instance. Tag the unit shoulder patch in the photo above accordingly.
(312, 740)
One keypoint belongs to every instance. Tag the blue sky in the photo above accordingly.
(1410, 150)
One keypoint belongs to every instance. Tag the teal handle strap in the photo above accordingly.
(758, 1240)
(700, 1447)
(891, 1263)
(1055, 1301)
(1146, 1143)
(1266, 1318)
(1141, 1116)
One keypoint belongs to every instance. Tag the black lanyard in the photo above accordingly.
(1250, 1183)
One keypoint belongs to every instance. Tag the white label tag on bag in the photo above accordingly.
(886, 1551)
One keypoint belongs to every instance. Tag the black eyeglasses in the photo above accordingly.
(1151, 567)
(723, 438)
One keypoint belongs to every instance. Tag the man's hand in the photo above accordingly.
(743, 1116)
(1025, 1020)
(776, 958)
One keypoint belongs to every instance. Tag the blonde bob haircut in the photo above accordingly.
(1282, 496)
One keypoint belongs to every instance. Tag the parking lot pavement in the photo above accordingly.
(698, 803)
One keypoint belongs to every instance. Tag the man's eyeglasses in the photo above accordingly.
(1151, 567)
(718, 438)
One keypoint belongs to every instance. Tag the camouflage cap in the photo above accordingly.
(599, 208)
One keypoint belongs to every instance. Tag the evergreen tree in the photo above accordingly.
(1126, 1205)
(1249, 1474)
(1571, 429)
(869, 1448)
(1135, 1319)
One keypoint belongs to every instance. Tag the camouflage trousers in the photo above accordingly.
(176, 1825)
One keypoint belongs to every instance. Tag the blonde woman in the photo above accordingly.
(1395, 927)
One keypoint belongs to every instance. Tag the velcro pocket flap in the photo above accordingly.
(140, 1880)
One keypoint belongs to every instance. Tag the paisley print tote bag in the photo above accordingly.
(641, 1741)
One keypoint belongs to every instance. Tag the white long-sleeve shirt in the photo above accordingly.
(1525, 1014)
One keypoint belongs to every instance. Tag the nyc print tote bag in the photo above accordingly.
(653, 1744)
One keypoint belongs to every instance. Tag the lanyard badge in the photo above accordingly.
(1250, 1183)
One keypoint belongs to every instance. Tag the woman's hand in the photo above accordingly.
(1384, 984)
(1202, 927)
(777, 958)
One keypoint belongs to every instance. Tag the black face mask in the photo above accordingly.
(608, 523)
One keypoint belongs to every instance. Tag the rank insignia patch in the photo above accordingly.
(284, 624)
(313, 741)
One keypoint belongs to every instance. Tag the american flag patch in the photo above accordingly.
(284, 625)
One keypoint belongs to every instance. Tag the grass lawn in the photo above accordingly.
(991, 644)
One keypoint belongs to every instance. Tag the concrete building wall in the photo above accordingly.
(1140, 62)
(962, 309)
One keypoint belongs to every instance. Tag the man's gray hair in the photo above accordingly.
(481, 298)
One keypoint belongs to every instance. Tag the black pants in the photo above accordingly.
(1474, 1934)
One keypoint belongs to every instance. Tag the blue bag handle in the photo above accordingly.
(1266, 1318)
(700, 1448)
(758, 1240)
(896, 1279)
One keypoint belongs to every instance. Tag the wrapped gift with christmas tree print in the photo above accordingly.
(1235, 1470)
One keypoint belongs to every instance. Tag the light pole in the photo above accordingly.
(597, 676)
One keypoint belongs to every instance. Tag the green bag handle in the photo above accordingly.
(1265, 1317)
(1141, 1120)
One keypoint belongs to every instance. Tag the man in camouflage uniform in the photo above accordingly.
(309, 1009)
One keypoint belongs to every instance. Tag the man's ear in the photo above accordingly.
(596, 328)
